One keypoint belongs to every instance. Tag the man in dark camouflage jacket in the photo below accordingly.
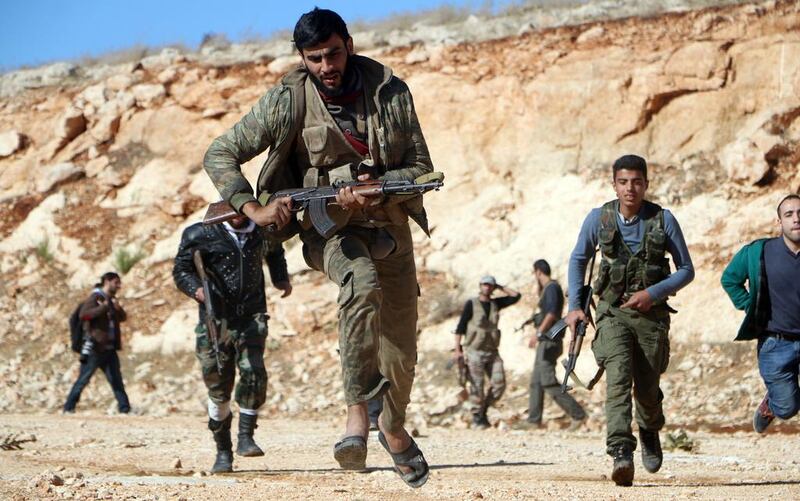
(232, 253)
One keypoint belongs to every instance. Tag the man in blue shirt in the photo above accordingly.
(771, 268)
(633, 283)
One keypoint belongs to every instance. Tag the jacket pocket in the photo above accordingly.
(616, 275)
(606, 242)
(653, 274)
(316, 141)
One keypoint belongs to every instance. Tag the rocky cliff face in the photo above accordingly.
(525, 128)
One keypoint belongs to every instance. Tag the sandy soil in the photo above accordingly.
(95, 456)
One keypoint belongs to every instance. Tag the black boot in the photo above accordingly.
(622, 474)
(246, 446)
(651, 450)
(222, 436)
(480, 421)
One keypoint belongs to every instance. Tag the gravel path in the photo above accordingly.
(95, 456)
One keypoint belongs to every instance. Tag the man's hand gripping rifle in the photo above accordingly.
(578, 334)
(316, 199)
(211, 321)
(576, 341)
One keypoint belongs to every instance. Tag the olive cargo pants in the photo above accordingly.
(634, 349)
(543, 380)
(377, 312)
(241, 345)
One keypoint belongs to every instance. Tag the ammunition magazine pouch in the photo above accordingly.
(622, 272)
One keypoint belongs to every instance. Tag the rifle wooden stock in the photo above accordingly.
(576, 342)
(219, 212)
(211, 321)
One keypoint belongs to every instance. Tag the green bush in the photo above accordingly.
(125, 259)
(43, 250)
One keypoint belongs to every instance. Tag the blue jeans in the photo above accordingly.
(108, 361)
(778, 363)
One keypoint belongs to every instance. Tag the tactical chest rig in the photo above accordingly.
(323, 155)
(482, 331)
(623, 272)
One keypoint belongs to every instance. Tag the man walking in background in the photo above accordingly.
(232, 254)
(633, 318)
(478, 326)
(771, 269)
(543, 377)
(101, 315)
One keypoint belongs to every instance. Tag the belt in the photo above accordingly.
(784, 336)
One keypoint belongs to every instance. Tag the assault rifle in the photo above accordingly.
(316, 199)
(463, 370)
(211, 321)
(524, 324)
(535, 319)
(576, 341)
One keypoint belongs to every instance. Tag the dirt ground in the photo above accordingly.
(95, 456)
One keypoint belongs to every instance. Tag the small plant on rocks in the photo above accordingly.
(125, 259)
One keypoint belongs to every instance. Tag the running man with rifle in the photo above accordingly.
(220, 267)
(344, 118)
(633, 318)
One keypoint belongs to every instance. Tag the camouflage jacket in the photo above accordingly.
(396, 143)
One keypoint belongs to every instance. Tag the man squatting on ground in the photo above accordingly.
(478, 326)
(340, 117)
(771, 300)
(232, 254)
(633, 283)
(101, 315)
(543, 377)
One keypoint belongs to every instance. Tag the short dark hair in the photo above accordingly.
(630, 162)
(790, 196)
(108, 276)
(316, 26)
(542, 265)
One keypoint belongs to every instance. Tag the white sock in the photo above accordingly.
(249, 412)
(218, 412)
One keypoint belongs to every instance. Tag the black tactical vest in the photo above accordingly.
(623, 272)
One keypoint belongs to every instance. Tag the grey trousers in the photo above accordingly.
(543, 380)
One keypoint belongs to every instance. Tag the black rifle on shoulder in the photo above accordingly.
(211, 321)
(576, 341)
(316, 199)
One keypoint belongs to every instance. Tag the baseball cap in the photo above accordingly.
(488, 279)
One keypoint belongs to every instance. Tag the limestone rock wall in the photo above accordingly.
(524, 127)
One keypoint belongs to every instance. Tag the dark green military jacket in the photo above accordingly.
(397, 147)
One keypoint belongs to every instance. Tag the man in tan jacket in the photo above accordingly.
(345, 117)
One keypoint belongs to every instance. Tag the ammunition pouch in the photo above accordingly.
(623, 273)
